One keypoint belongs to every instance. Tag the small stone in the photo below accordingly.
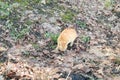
(46, 51)
(52, 19)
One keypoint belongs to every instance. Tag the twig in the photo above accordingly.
(68, 75)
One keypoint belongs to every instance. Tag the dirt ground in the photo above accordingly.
(95, 54)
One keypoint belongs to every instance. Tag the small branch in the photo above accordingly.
(68, 75)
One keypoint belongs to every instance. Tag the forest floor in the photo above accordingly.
(29, 30)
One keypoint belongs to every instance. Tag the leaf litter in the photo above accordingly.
(31, 58)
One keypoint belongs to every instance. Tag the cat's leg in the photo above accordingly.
(71, 44)
(56, 48)
(65, 47)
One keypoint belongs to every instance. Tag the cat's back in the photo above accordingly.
(68, 33)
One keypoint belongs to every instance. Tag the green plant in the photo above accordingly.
(36, 46)
(53, 47)
(14, 11)
(15, 32)
(52, 36)
(68, 16)
(22, 32)
(51, 1)
(108, 3)
(81, 24)
(85, 39)
(26, 53)
(4, 9)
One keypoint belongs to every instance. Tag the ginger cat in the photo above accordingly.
(67, 36)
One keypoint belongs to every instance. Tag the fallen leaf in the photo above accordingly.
(2, 49)
(100, 71)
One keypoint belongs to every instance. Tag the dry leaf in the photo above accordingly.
(2, 49)
(100, 71)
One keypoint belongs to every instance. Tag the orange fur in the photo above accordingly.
(67, 36)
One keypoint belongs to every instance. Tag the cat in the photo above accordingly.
(67, 36)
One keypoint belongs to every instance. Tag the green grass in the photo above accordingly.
(17, 32)
(36, 46)
(52, 36)
(4, 9)
(26, 53)
(108, 3)
(68, 16)
(13, 10)
(11, 13)
(85, 39)
(81, 24)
